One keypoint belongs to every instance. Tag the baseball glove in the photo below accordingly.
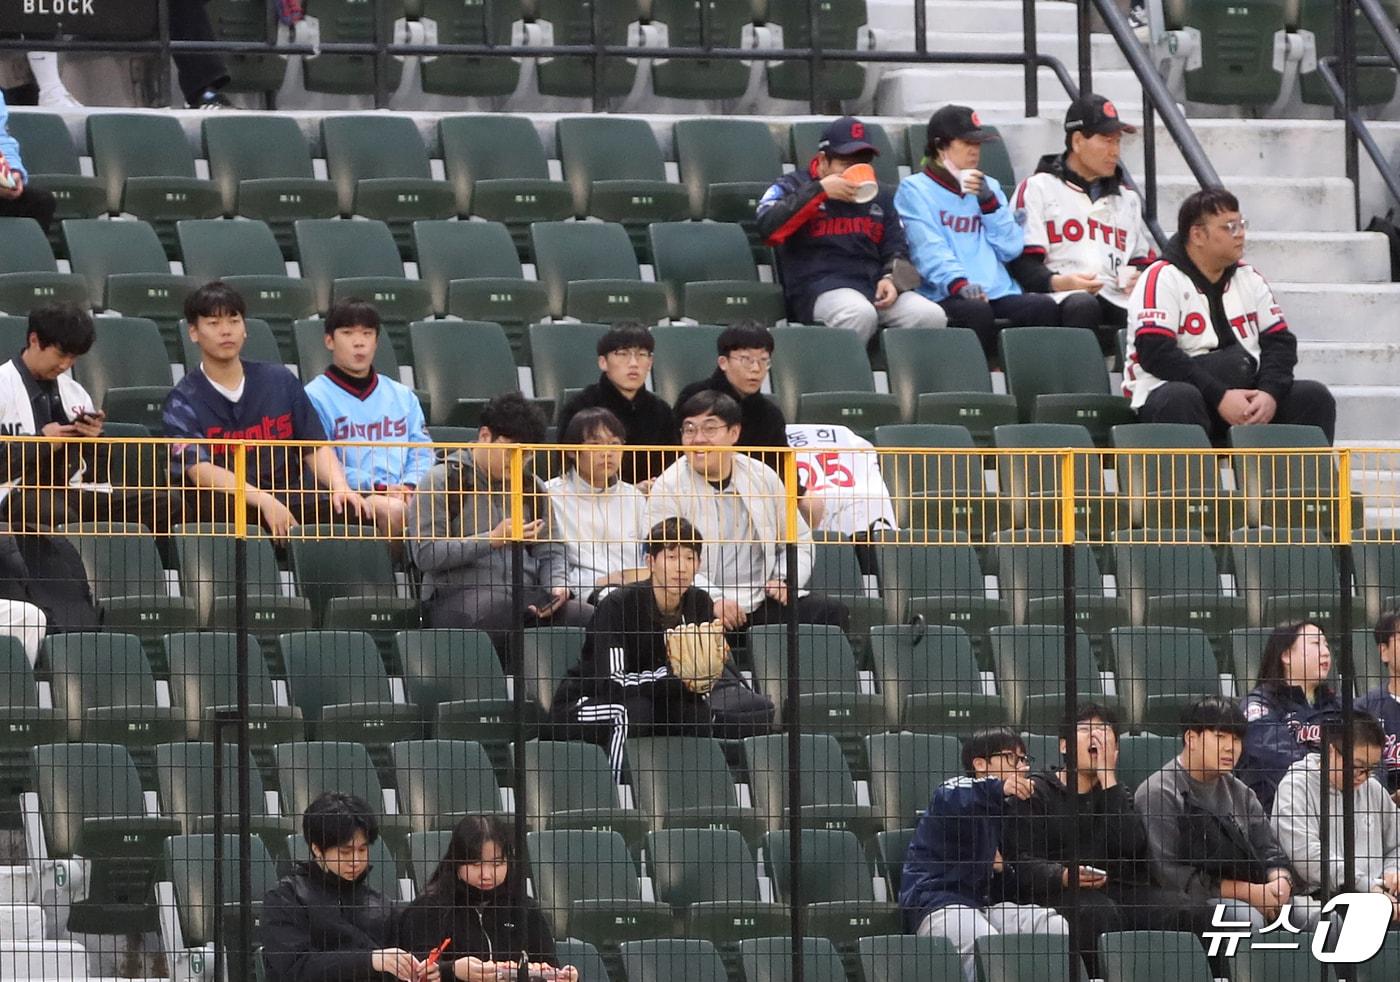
(696, 654)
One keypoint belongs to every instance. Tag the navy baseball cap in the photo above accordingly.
(958, 123)
(1093, 115)
(844, 137)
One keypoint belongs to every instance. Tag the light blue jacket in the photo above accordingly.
(9, 146)
(955, 239)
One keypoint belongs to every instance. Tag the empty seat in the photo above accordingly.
(905, 770)
(698, 78)
(127, 271)
(549, 652)
(1287, 575)
(837, 884)
(590, 272)
(127, 370)
(839, 28)
(1057, 375)
(1153, 956)
(1031, 578)
(1170, 477)
(836, 572)
(929, 679)
(1258, 961)
(185, 775)
(472, 271)
(1174, 584)
(942, 492)
(24, 724)
(103, 684)
(349, 578)
(306, 768)
(943, 583)
(565, 357)
(821, 375)
(208, 561)
(359, 259)
(942, 377)
(569, 785)
(700, 794)
(454, 678)
(379, 166)
(352, 22)
(29, 273)
(1030, 482)
(128, 579)
(463, 75)
(1377, 565)
(1283, 489)
(684, 353)
(829, 697)
(1160, 672)
(441, 349)
(593, 22)
(708, 273)
(1025, 958)
(770, 960)
(246, 255)
(440, 781)
(828, 794)
(204, 682)
(1030, 668)
(1236, 50)
(586, 883)
(1375, 86)
(189, 864)
(902, 958)
(338, 680)
(726, 165)
(1142, 754)
(709, 877)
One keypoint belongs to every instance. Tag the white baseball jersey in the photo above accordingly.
(1166, 302)
(1077, 235)
(844, 470)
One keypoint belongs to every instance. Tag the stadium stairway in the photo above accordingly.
(1332, 281)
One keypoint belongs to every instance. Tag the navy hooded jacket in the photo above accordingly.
(1283, 729)
(949, 862)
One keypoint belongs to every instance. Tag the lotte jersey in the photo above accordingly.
(1077, 233)
(1166, 302)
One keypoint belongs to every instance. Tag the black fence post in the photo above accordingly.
(595, 34)
(1149, 160)
(1069, 465)
(163, 69)
(1031, 44)
(792, 721)
(921, 27)
(1086, 47)
(242, 969)
(814, 55)
(1346, 49)
(517, 640)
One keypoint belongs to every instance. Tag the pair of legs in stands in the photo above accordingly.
(1032, 310)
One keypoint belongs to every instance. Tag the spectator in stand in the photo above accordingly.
(324, 921)
(1285, 710)
(229, 398)
(840, 251)
(623, 685)
(1298, 816)
(19, 198)
(738, 504)
(962, 233)
(624, 357)
(1208, 835)
(1086, 240)
(358, 405)
(1207, 341)
(956, 882)
(459, 531)
(745, 355)
(1105, 835)
(1383, 702)
(600, 518)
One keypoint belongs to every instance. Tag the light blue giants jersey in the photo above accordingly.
(388, 412)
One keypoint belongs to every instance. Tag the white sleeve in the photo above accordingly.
(1030, 211)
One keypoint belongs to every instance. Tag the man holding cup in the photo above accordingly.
(840, 243)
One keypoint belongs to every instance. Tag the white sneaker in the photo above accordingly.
(58, 98)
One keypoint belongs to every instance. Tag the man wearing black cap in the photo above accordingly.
(962, 234)
(1086, 240)
(837, 253)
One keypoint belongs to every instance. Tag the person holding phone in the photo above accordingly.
(475, 913)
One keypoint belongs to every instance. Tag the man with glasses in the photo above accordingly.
(1207, 341)
(739, 505)
(1383, 702)
(957, 879)
(624, 358)
(745, 354)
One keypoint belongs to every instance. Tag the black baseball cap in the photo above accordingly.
(1093, 115)
(958, 123)
(844, 137)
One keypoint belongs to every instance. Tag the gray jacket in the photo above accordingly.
(449, 522)
(1298, 816)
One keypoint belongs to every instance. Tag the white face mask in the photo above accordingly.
(953, 171)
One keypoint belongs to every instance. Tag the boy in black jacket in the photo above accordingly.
(623, 684)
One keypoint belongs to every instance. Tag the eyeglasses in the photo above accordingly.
(1235, 226)
(633, 354)
(710, 430)
(750, 361)
(1015, 758)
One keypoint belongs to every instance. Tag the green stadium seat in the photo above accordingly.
(440, 781)
(1153, 956)
(1377, 570)
(126, 270)
(454, 678)
(836, 572)
(829, 698)
(548, 653)
(837, 884)
(51, 160)
(1030, 577)
(338, 680)
(441, 349)
(1287, 490)
(943, 583)
(840, 30)
(696, 78)
(29, 273)
(1287, 575)
(770, 960)
(148, 167)
(1160, 672)
(127, 371)
(589, 22)
(261, 344)
(246, 20)
(1167, 489)
(828, 795)
(684, 353)
(708, 273)
(615, 169)
(903, 958)
(459, 75)
(590, 272)
(128, 580)
(1140, 755)
(246, 256)
(204, 680)
(709, 878)
(1257, 961)
(89, 803)
(806, 134)
(582, 956)
(727, 165)
(1025, 958)
(821, 375)
(1384, 965)
(905, 770)
(995, 160)
(1236, 51)
(1174, 584)
(473, 272)
(383, 863)
(103, 684)
(351, 22)
(425, 852)
(349, 578)
(24, 724)
(1030, 482)
(586, 884)
(565, 357)
(189, 865)
(700, 794)
(207, 558)
(262, 166)
(1030, 672)
(306, 768)
(500, 171)
(930, 680)
(129, 465)
(942, 377)
(1057, 375)
(569, 785)
(890, 850)
(313, 357)
(939, 493)
(185, 772)
(1374, 86)
(379, 166)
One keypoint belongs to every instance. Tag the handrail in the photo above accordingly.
(1358, 125)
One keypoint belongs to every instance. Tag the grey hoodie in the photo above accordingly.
(1297, 819)
(449, 522)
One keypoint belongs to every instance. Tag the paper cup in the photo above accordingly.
(863, 177)
(975, 175)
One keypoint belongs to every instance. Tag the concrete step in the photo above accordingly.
(14, 885)
(21, 922)
(1342, 312)
(1363, 409)
(1349, 362)
(1266, 147)
(912, 92)
(1276, 204)
(977, 86)
(1319, 257)
(984, 16)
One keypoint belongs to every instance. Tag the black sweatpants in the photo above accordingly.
(638, 714)
(1022, 310)
(189, 21)
(34, 202)
(1308, 403)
